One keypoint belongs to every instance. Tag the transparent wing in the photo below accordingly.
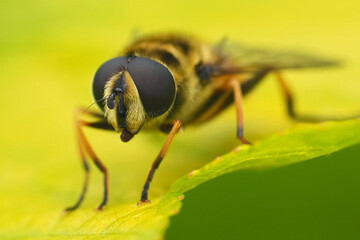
(258, 58)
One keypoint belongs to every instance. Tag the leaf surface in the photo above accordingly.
(151, 220)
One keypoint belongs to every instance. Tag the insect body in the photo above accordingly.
(163, 82)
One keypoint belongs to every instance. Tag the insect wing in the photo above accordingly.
(248, 57)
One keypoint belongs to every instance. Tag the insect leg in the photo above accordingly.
(290, 105)
(287, 94)
(86, 169)
(84, 144)
(235, 84)
(144, 195)
(95, 159)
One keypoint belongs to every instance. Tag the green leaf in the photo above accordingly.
(150, 221)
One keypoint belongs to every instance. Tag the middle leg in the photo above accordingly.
(235, 84)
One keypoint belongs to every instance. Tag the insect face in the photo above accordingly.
(132, 89)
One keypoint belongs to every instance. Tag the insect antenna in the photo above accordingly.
(88, 107)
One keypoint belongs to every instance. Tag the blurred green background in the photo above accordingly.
(316, 199)
(49, 52)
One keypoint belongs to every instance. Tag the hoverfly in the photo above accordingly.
(164, 82)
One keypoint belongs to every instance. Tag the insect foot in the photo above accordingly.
(143, 202)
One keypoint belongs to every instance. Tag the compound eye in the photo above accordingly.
(155, 84)
(103, 74)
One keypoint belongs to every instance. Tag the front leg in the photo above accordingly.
(144, 195)
(84, 147)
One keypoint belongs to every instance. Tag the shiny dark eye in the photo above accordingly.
(155, 84)
(103, 74)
